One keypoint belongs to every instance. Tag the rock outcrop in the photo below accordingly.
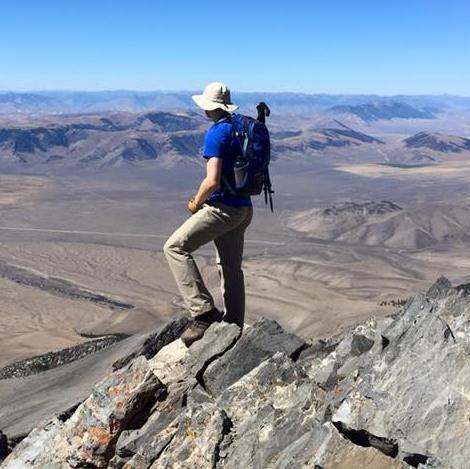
(390, 393)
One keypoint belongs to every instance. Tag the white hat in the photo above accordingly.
(215, 96)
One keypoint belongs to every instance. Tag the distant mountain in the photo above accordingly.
(116, 138)
(102, 140)
(113, 139)
(335, 135)
(385, 223)
(28, 103)
(370, 112)
(438, 142)
(50, 102)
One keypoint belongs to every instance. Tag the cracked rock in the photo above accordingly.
(259, 342)
(201, 429)
(270, 407)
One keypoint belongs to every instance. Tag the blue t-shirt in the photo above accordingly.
(220, 143)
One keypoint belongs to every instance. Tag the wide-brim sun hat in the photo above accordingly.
(215, 96)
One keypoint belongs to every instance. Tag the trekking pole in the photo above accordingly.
(263, 111)
(268, 191)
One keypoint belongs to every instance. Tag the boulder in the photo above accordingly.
(259, 342)
(175, 362)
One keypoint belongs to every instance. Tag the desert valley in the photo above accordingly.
(372, 204)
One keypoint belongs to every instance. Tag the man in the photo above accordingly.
(218, 215)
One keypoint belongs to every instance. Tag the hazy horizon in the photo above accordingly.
(185, 91)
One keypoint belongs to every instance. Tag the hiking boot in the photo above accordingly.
(198, 325)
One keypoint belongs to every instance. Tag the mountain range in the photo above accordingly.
(385, 223)
(113, 139)
(101, 140)
(47, 102)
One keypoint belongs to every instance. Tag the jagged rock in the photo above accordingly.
(90, 435)
(385, 394)
(141, 447)
(153, 344)
(33, 451)
(178, 368)
(441, 288)
(175, 361)
(270, 407)
(324, 447)
(201, 429)
(351, 351)
(262, 340)
(416, 392)
(96, 425)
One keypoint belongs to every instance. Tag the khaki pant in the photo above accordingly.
(225, 226)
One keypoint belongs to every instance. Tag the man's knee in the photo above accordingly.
(171, 246)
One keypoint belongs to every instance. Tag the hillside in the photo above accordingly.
(331, 135)
(384, 224)
(117, 139)
(438, 142)
(390, 393)
(101, 140)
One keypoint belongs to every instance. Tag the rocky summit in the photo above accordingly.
(390, 393)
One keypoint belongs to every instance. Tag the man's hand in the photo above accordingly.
(193, 207)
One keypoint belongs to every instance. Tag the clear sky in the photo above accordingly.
(336, 46)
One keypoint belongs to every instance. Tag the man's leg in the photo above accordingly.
(229, 249)
(206, 225)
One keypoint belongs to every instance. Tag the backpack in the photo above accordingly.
(251, 168)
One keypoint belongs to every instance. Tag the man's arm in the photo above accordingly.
(210, 183)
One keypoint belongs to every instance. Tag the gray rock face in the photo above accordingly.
(324, 447)
(390, 393)
(201, 429)
(259, 342)
(417, 392)
(270, 407)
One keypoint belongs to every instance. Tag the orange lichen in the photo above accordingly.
(99, 435)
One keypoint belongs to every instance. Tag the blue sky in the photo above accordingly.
(355, 46)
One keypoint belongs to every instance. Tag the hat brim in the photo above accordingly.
(209, 105)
